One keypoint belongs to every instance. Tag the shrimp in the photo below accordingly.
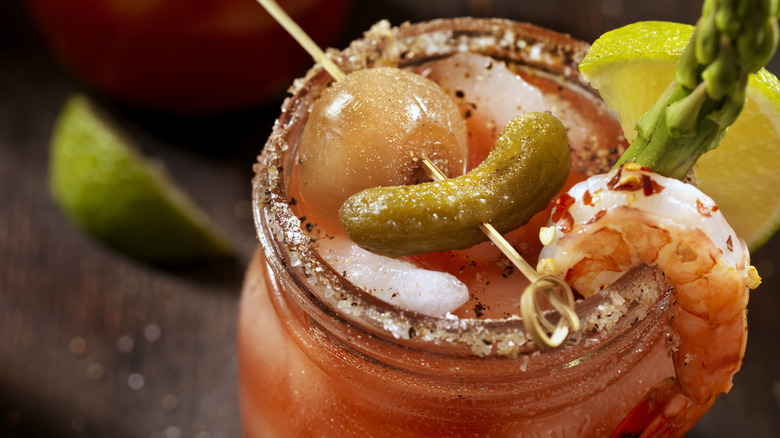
(609, 223)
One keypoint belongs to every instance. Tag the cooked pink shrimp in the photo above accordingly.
(630, 216)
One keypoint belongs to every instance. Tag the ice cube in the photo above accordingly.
(395, 281)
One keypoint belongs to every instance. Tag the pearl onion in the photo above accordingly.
(367, 130)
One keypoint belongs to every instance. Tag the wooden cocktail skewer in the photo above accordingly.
(302, 38)
(536, 325)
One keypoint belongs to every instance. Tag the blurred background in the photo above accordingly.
(96, 344)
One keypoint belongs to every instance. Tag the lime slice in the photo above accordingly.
(633, 65)
(118, 196)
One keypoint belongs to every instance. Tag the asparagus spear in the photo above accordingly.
(733, 38)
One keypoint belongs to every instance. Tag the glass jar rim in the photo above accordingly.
(321, 289)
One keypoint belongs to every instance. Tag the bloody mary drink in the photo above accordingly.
(321, 353)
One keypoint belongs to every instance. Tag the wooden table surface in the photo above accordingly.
(93, 344)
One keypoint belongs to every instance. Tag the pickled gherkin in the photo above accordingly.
(528, 165)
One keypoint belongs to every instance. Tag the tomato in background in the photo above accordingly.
(185, 56)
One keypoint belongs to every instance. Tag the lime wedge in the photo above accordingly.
(633, 65)
(111, 191)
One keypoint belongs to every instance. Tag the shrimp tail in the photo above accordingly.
(663, 412)
(649, 408)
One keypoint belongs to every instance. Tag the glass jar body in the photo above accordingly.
(318, 357)
(298, 379)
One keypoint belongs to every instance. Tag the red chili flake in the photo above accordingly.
(730, 244)
(715, 208)
(615, 179)
(566, 223)
(587, 199)
(703, 210)
(596, 216)
(562, 204)
(650, 186)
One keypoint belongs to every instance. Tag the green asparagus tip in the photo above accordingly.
(733, 39)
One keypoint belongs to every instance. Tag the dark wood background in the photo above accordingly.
(93, 344)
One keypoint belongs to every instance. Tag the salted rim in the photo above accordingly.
(290, 249)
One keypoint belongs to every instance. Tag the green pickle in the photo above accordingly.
(528, 165)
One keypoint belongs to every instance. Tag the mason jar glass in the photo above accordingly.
(318, 356)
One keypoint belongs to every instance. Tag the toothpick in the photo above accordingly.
(533, 319)
(489, 230)
(302, 38)
(536, 325)
(509, 251)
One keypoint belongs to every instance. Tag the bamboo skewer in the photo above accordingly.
(533, 315)
(302, 38)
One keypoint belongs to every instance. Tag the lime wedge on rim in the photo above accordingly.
(115, 194)
(633, 65)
